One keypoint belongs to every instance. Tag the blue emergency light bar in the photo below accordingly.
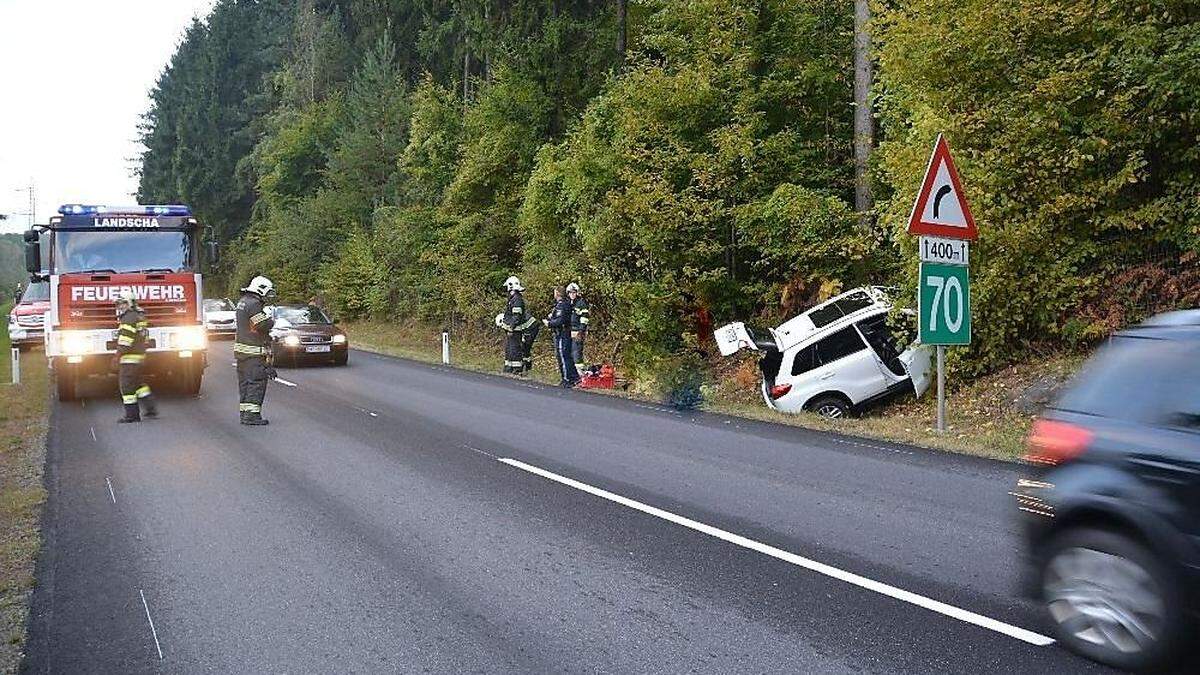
(139, 210)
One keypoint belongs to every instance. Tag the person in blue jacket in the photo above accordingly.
(559, 323)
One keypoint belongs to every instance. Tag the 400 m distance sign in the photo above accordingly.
(945, 305)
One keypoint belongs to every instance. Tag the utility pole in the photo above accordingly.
(864, 123)
(31, 190)
(622, 29)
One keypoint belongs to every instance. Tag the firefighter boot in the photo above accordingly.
(254, 419)
(151, 406)
(131, 414)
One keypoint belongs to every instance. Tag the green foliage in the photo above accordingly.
(403, 157)
(12, 264)
(1074, 126)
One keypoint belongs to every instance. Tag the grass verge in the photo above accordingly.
(984, 417)
(23, 410)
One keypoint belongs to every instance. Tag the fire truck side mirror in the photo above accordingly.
(33, 252)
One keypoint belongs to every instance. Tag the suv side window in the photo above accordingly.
(806, 360)
(1148, 380)
(841, 344)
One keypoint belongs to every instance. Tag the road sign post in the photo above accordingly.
(16, 366)
(941, 217)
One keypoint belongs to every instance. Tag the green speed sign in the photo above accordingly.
(945, 305)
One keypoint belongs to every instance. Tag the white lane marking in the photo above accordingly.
(800, 561)
(94, 435)
(110, 490)
(152, 630)
(284, 382)
(485, 453)
(364, 410)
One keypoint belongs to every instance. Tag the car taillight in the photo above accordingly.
(780, 390)
(1052, 442)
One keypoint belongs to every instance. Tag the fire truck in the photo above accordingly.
(96, 253)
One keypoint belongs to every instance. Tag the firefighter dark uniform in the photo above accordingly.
(132, 335)
(517, 322)
(559, 322)
(252, 350)
(580, 317)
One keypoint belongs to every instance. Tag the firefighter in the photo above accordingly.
(252, 349)
(515, 321)
(132, 333)
(559, 322)
(580, 316)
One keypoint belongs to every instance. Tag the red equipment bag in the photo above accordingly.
(598, 377)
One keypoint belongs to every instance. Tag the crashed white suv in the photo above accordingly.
(834, 358)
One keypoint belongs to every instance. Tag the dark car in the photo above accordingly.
(306, 333)
(1111, 512)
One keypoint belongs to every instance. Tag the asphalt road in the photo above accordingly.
(399, 517)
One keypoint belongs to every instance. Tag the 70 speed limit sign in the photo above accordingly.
(945, 305)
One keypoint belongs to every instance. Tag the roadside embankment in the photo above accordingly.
(989, 416)
(23, 411)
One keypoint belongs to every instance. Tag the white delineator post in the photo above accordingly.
(446, 347)
(16, 366)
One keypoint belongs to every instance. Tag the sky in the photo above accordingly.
(75, 77)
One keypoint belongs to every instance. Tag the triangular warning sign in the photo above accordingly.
(941, 208)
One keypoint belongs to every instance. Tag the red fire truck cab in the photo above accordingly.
(95, 254)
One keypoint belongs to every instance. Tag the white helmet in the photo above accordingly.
(260, 286)
(125, 298)
(572, 287)
(513, 284)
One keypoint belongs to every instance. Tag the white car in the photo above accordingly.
(835, 358)
(220, 317)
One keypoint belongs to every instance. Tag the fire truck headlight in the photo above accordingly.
(292, 340)
(339, 339)
(193, 337)
(74, 344)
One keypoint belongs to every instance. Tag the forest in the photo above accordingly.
(689, 162)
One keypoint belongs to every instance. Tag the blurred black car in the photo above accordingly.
(304, 333)
(1111, 514)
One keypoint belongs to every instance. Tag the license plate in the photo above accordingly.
(316, 348)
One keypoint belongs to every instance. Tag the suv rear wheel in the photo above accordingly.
(831, 406)
(1112, 600)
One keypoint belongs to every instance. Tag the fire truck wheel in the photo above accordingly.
(189, 381)
(65, 382)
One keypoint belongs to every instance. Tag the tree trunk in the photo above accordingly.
(864, 123)
(622, 29)
(466, 71)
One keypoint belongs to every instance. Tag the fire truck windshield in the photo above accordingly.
(120, 251)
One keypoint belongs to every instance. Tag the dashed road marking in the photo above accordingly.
(152, 629)
(930, 604)
(284, 382)
(112, 494)
(93, 430)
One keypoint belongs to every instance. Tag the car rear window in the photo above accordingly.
(1140, 379)
(841, 344)
(837, 346)
(805, 360)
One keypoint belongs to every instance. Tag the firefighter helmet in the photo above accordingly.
(513, 284)
(261, 286)
(125, 300)
(572, 287)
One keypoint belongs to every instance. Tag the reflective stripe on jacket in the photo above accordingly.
(132, 336)
(253, 327)
(580, 314)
